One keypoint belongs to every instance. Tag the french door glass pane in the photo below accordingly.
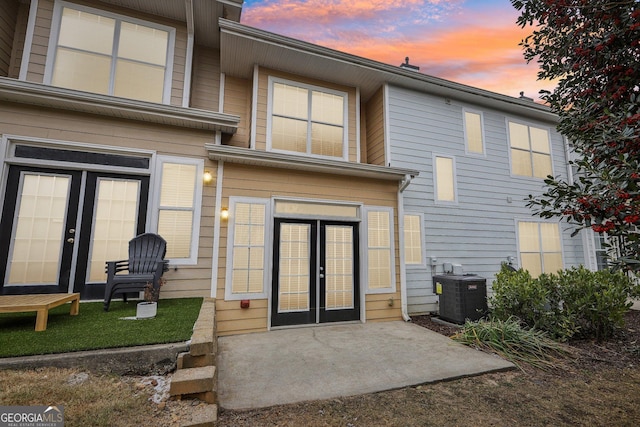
(339, 267)
(116, 217)
(39, 233)
(294, 279)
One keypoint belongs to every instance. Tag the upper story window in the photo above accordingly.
(307, 119)
(100, 52)
(530, 151)
(445, 179)
(473, 134)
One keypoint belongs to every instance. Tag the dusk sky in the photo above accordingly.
(474, 42)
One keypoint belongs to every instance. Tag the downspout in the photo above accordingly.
(403, 269)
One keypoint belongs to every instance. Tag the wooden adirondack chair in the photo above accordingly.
(145, 265)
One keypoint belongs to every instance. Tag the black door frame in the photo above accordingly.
(317, 296)
(96, 290)
(7, 229)
(72, 237)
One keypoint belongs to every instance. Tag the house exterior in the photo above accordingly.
(480, 155)
(280, 173)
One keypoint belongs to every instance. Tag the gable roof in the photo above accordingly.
(242, 47)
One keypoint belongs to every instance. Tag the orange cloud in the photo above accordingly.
(477, 49)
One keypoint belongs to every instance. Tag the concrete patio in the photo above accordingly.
(294, 365)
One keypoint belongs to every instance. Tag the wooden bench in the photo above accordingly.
(41, 303)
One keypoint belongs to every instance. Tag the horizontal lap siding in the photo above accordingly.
(28, 122)
(237, 101)
(375, 129)
(8, 19)
(205, 87)
(479, 231)
(261, 182)
(41, 32)
(18, 41)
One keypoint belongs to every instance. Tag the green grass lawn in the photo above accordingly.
(94, 328)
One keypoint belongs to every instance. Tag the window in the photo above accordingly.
(530, 151)
(540, 247)
(380, 252)
(444, 175)
(246, 250)
(178, 216)
(413, 239)
(100, 52)
(307, 119)
(473, 134)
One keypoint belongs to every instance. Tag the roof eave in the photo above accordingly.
(35, 94)
(309, 164)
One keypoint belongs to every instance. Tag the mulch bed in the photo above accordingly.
(620, 351)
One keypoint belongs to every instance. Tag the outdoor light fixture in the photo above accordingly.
(207, 177)
(224, 213)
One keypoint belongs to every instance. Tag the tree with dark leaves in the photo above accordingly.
(592, 47)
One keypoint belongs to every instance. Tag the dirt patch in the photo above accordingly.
(600, 386)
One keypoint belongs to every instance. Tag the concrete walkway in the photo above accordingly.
(294, 365)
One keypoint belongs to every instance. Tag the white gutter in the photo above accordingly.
(403, 269)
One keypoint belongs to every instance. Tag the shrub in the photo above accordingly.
(575, 303)
(510, 340)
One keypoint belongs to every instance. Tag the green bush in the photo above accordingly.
(574, 303)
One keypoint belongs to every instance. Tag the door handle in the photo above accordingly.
(70, 240)
(321, 276)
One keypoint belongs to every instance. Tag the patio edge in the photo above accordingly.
(157, 359)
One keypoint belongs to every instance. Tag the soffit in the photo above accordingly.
(242, 47)
(204, 13)
(65, 99)
(253, 157)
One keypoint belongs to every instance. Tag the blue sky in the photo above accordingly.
(474, 42)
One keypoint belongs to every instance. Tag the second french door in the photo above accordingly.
(315, 277)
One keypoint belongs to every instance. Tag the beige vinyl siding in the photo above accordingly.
(261, 123)
(8, 18)
(40, 42)
(17, 119)
(205, 82)
(179, 63)
(237, 101)
(375, 129)
(42, 31)
(18, 41)
(249, 181)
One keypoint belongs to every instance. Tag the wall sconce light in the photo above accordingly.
(224, 213)
(207, 177)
